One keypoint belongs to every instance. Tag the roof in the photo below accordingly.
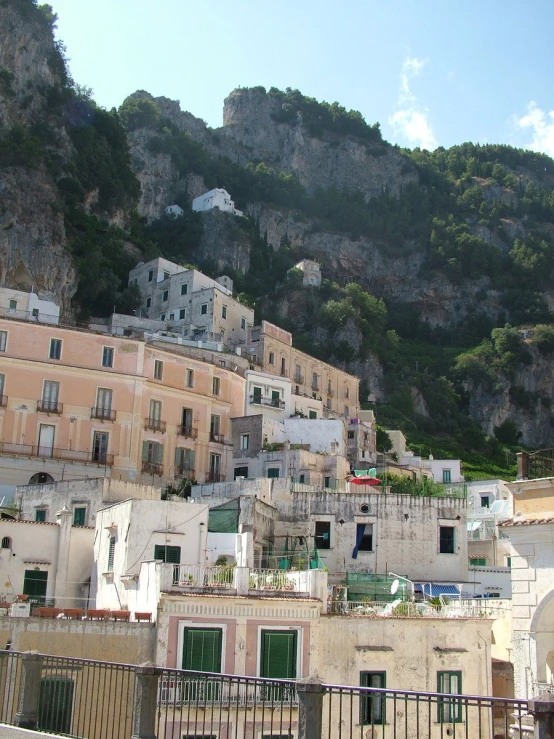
(528, 521)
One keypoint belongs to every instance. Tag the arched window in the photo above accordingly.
(6, 543)
(41, 478)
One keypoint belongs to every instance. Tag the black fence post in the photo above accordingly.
(310, 707)
(29, 690)
(542, 710)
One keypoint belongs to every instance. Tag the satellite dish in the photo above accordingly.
(394, 587)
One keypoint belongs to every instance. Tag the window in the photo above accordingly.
(79, 516)
(189, 378)
(327, 482)
(100, 446)
(148, 302)
(271, 359)
(165, 296)
(346, 411)
(364, 539)
(204, 309)
(449, 709)
(372, 705)
(323, 534)
(275, 398)
(152, 454)
(13, 306)
(103, 403)
(328, 404)
(351, 434)
(184, 289)
(2, 384)
(216, 384)
(278, 654)
(241, 472)
(215, 467)
(508, 561)
(329, 387)
(162, 317)
(168, 554)
(158, 369)
(40, 514)
(446, 476)
(202, 650)
(243, 323)
(50, 394)
(166, 275)
(150, 275)
(245, 441)
(215, 426)
(257, 395)
(55, 705)
(171, 316)
(224, 311)
(3, 340)
(35, 583)
(347, 395)
(155, 412)
(182, 313)
(478, 562)
(298, 373)
(111, 553)
(107, 356)
(312, 414)
(273, 472)
(446, 539)
(6, 542)
(315, 383)
(55, 349)
(302, 479)
(283, 366)
(484, 501)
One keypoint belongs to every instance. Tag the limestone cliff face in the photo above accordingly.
(330, 161)
(32, 237)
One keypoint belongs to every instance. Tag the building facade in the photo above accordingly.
(216, 198)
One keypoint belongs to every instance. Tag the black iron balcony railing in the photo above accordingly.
(49, 406)
(187, 431)
(217, 438)
(185, 472)
(104, 414)
(155, 424)
(50, 452)
(152, 468)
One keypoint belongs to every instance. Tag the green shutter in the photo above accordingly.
(189, 459)
(159, 452)
(202, 650)
(167, 554)
(279, 654)
(79, 516)
(35, 583)
(145, 451)
(179, 453)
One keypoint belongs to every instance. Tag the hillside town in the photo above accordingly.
(185, 488)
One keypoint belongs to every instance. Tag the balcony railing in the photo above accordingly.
(405, 609)
(188, 432)
(152, 468)
(47, 452)
(49, 406)
(3, 401)
(270, 402)
(185, 472)
(215, 477)
(217, 438)
(197, 576)
(299, 378)
(155, 424)
(279, 580)
(315, 385)
(104, 414)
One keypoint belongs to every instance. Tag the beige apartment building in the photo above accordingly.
(271, 348)
(77, 404)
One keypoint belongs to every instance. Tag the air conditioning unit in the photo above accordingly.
(20, 610)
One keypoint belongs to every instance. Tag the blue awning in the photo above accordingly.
(433, 590)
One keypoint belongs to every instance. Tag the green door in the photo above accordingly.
(202, 653)
(55, 705)
(279, 651)
(34, 585)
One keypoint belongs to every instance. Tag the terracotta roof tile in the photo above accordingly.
(527, 521)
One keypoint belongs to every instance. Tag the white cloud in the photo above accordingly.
(410, 120)
(541, 124)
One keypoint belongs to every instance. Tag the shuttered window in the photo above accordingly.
(279, 650)
(111, 553)
(167, 554)
(184, 459)
(372, 706)
(202, 650)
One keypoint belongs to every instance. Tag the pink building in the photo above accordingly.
(77, 404)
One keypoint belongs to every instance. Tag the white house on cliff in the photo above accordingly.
(216, 198)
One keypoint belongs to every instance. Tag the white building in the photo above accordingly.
(174, 210)
(48, 562)
(27, 306)
(273, 396)
(136, 531)
(311, 272)
(190, 303)
(216, 198)
(362, 441)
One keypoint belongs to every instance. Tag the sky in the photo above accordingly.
(432, 72)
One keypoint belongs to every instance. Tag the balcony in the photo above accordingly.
(49, 406)
(239, 579)
(3, 401)
(469, 608)
(104, 414)
(215, 477)
(152, 468)
(217, 438)
(189, 432)
(46, 452)
(299, 378)
(315, 386)
(269, 402)
(185, 472)
(155, 424)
